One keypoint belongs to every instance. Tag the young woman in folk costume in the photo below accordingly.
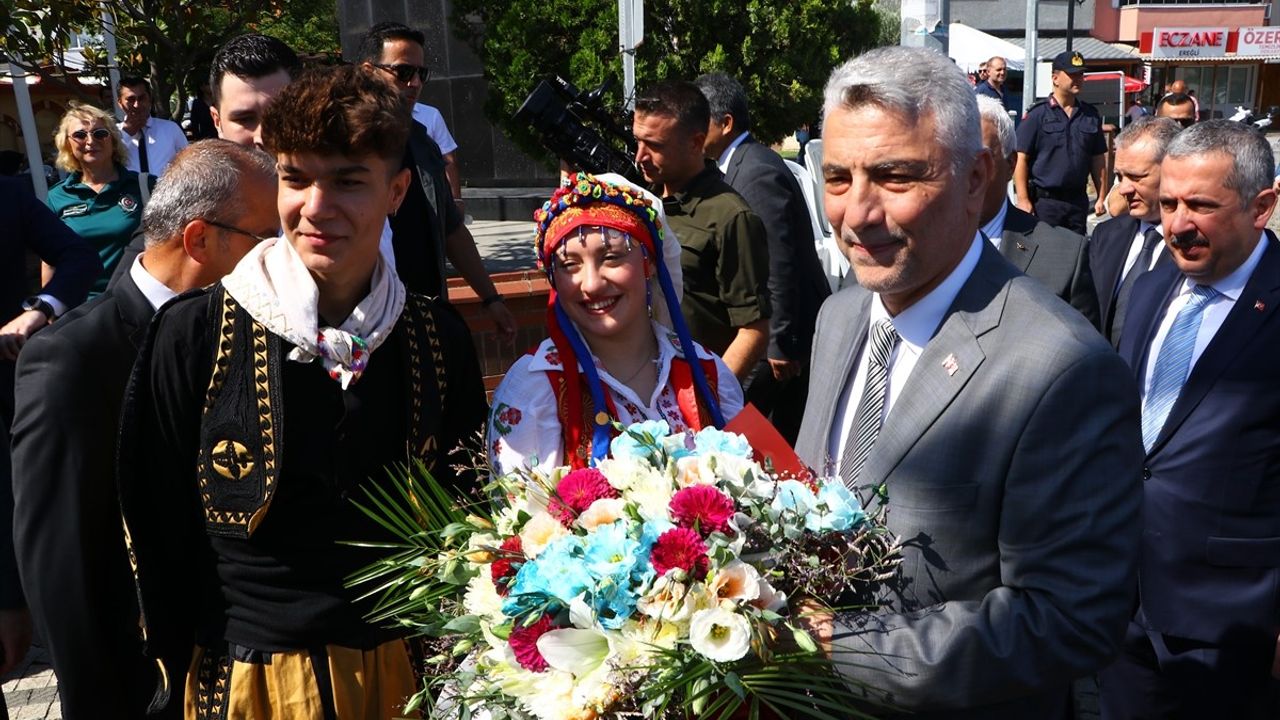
(619, 348)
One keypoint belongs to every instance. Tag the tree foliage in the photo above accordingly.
(780, 50)
(170, 41)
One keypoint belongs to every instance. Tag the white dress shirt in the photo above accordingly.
(164, 140)
(1214, 314)
(994, 229)
(156, 292)
(915, 325)
(727, 155)
(1135, 247)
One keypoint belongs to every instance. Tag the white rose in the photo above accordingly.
(720, 635)
(539, 532)
(602, 512)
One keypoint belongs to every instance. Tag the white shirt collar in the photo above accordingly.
(156, 292)
(917, 324)
(994, 229)
(727, 155)
(1232, 286)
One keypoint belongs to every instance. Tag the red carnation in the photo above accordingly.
(679, 548)
(524, 642)
(703, 506)
(510, 557)
(576, 491)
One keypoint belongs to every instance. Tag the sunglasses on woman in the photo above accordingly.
(405, 72)
(98, 134)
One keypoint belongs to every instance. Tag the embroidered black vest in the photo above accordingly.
(241, 428)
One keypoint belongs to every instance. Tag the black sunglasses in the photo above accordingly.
(234, 229)
(1185, 122)
(98, 134)
(405, 72)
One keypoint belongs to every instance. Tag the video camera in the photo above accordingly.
(576, 127)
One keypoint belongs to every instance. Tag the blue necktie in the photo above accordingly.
(1173, 364)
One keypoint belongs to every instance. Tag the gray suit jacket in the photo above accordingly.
(1055, 256)
(1013, 459)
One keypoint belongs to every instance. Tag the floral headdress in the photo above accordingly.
(588, 201)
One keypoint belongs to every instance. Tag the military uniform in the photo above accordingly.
(724, 258)
(1061, 149)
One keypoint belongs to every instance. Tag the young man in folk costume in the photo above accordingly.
(265, 404)
(618, 347)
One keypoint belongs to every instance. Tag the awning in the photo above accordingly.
(1131, 85)
(971, 47)
(1090, 47)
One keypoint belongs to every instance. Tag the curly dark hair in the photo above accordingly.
(337, 111)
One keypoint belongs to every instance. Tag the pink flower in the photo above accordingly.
(576, 491)
(702, 507)
(508, 562)
(524, 642)
(679, 548)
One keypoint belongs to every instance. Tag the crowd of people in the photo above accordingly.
(1075, 438)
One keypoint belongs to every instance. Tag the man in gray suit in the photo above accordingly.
(998, 429)
(1055, 256)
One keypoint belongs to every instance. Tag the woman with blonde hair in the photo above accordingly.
(618, 348)
(100, 199)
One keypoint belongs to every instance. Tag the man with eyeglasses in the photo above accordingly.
(216, 202)
(1179, 107)
(428, 227)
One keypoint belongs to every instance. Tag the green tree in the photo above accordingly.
(170, 41)
(780, 50)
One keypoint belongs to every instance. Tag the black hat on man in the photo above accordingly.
(1069, 62)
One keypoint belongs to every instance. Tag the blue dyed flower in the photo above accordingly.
(558, 573)
(795, 496)
(613, 604)
(611, 553)
(633, 443)
(714, 440)
(840, 509)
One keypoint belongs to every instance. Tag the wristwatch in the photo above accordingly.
(35, 302)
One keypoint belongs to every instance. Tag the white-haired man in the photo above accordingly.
(963, 397)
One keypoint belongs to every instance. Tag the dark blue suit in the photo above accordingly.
(1209, 577)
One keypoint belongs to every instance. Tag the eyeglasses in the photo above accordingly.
(1185, 122)
(234, 229)
(98, 134)
(405, 72)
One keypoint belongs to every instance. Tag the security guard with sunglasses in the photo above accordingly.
(1060, 146)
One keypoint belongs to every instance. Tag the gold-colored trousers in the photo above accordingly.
(332, 683)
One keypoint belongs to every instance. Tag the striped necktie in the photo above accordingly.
(1173, 364)
(871, 407)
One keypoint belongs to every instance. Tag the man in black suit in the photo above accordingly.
(1202, 335)
(1123, 248)
(217, 200)
(29, 225)
(797, 284)
(1055, 256)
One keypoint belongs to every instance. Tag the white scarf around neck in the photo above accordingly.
(274, 286)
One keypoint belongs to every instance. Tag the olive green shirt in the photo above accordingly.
(724, 258)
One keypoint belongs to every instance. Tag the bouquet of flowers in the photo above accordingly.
(655, 584)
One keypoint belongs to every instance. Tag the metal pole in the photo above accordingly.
(1029, 61)
(27, 118)
(630, 35)
(113, 68)
(944, 26)
(1071, 21)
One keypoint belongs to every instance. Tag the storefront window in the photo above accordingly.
(1219, 88)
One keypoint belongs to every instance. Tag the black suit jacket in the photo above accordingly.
(1055, 256)
(28, 224)
(68, 533)
(1210, 558)
(797, 284)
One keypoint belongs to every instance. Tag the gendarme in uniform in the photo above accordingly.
(724, 258)
(1060, 148)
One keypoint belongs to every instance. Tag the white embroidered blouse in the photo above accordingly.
(524, 425)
